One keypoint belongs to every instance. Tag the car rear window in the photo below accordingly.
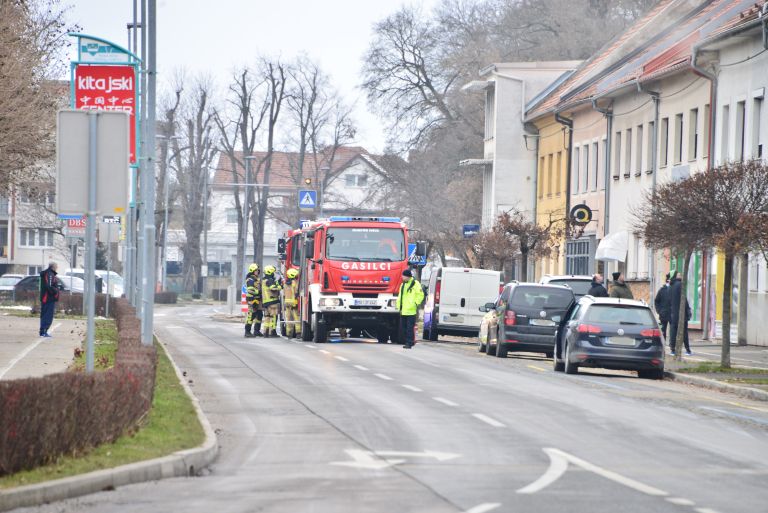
(542, 298)
(579, 287)
(612, 314)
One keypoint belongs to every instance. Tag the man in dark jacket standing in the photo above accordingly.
(663, 306)
(49, 294)
(620, 289)
(597, 290)
(676, 294)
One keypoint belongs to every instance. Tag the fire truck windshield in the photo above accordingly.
(365, 244)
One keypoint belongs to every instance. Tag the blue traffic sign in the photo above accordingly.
(419, 261)
(470, 230)
(307, 199)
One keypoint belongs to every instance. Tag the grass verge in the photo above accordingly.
(171, 425)
(715, 368)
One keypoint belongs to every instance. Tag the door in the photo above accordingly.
(454, 288)
(484, 287)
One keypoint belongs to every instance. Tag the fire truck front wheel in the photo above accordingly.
(321, 331)
(306, 331)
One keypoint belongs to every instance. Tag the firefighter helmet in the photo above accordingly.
(253, 268)
(292, 273)
(269, 270)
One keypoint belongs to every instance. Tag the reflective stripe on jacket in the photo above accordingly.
(410, 297)
(252, 289)
(270, 291)
(290, 293)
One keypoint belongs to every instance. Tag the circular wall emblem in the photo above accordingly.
(581, 214)
(620, 331)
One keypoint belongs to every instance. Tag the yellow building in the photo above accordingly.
(551, 146)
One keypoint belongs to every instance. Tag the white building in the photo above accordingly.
(509, 157)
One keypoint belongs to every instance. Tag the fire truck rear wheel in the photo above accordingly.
(306, 331)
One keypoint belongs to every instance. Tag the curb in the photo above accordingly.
(183, 463)
(746, 392)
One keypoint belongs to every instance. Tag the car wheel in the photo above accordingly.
(481, 347)
(557, 364)
(501, 349)
(651, 374)
(568, 367)
(490, 350)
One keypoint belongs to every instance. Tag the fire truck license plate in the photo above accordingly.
(365, 302)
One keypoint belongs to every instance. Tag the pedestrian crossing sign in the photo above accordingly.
(307, 199)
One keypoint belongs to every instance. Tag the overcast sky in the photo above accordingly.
(216, 36)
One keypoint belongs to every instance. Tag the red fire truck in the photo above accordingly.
(351, 271)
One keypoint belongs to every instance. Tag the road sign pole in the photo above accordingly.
(90, 228)
(109, 267)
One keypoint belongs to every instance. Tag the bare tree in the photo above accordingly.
(32, 46)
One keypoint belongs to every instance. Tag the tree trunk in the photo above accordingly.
(725, 357)
(681, 320)
(523, 266)
(743, 297)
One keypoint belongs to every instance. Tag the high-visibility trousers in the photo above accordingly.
(269, 321)
(291, 315)
(253, 317)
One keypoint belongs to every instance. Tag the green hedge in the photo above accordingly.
(66, 413)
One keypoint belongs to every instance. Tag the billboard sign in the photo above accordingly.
(110, 88)
(92, 49)
(76, 227)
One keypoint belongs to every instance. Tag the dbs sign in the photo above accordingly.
(108, 88)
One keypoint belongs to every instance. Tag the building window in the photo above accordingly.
(559, 173)
(490, 112)
(707, 115)
(34, 269)
(664, 142)
(678, 156)
(577, 257)
(740, 118)
(356, 180)
(595, 164)
(628, 154)
(231, 216)
(549, 174)
(585, 174)
(757, 111)
(725, 135)
(541, 177)
(32, 238)
(617, 159)
(575, 170)
(649, 147)
(639, 151)
(693, 134)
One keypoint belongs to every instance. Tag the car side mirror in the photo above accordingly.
(488, 307)
(421, 249)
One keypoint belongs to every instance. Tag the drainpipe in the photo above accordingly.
(764, 22)
(608, 113)
(531, 130)
(568, 124)
(656, 97)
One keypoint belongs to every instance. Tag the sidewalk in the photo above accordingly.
(24, 354)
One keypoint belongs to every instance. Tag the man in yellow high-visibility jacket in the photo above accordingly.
(270, 300)
(253, 300)
(409, 299)
(291, 303)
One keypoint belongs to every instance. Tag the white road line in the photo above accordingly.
(445, 401)
(558, 464)
(361, 367)
(705, 510)
(24, 353)
(173, 327)
(413, 388)
(613, 476)
(324, 351)
(383, 376)
(309, 346)
(341, 358)
(484, 508)
(160, 315)
(680, 501)
(488, 420)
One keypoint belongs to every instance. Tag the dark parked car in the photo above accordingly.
(28, 284)
(580, 284)
(610, 333)
(524, 318)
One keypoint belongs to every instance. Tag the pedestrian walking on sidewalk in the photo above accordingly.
(676, 294)
(408, 301)
(620, 289)
(49, 294)
(663, 306)
(597, 289)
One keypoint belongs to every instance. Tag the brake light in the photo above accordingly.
(588, 328)
(509, 318)
(651, 333)
(437, 292)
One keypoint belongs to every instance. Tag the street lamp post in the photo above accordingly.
(246, 209)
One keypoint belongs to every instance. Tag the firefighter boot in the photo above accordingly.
(248, 333)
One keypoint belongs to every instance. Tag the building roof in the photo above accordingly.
(284, 171)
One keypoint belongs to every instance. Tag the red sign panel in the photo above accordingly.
(108, 88)
(76, 227)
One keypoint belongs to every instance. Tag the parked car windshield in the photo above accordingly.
(579, 287)
(365, 244)
(614, 314)
(5, 282)
(542, 298)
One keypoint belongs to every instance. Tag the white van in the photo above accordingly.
(454, 299)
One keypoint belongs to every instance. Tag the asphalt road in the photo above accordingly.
(362, 427)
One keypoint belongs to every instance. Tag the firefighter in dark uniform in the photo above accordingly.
(270, 300)
(253, 299)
